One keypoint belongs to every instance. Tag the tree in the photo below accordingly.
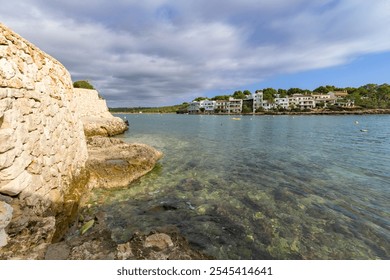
(292, 91)
(326, 89)
(268, 94)
(83, 84)
(200, 99)
(221, 97)
(282, 93)
(322, 90)
(246, 109)
(383, 96)
(247, 92)
(238, 94)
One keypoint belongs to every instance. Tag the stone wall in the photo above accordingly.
(42, 144)
(89, 103)
(96, 118)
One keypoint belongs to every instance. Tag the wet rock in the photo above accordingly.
(57, 251)
(32, 241)
(124, 251)
(161, 241)
(98, 243)
(161, 208)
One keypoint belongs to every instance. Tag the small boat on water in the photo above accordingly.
(363, 130)
(236, 119)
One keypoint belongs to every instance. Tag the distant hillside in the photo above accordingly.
(182, 108)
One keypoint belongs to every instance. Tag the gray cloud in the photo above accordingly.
(163, 52)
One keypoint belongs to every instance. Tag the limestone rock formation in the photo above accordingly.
(96, 118)
(113, 163)
(42, 144)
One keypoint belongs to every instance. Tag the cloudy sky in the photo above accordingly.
(164, 52)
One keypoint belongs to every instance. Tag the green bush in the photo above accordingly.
(83, 84)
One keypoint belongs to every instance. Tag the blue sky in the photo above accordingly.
(164, 52)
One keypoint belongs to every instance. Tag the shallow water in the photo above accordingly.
(263, 187)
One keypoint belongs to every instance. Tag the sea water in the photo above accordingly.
(262, 187)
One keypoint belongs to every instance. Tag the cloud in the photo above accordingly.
(164, 52)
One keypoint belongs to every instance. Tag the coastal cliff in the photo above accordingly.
(44, 122)
(94, 114)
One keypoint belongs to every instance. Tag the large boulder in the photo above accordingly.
(103, 126)
(113, 163)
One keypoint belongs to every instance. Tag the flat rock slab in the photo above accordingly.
(113, 163)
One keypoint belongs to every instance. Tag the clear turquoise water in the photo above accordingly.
(263, 187)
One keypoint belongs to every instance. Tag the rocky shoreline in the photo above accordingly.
(54, 149)
(113, 163)
(96, 243)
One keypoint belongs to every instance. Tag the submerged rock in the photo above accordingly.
(98, 244)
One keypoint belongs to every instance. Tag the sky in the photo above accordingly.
(165, 52)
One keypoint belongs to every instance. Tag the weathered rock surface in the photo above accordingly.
(113, 163)
(42, 144)
(97, 244)
(5, 218)
(94, 114)
(101, 126)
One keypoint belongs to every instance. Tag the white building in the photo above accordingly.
(208, 105)
(221, 106)
(235, 106)
(302, 101)
(282, 103)
(324, 100)
(194, 107)
(257, 100)
(267, 105)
